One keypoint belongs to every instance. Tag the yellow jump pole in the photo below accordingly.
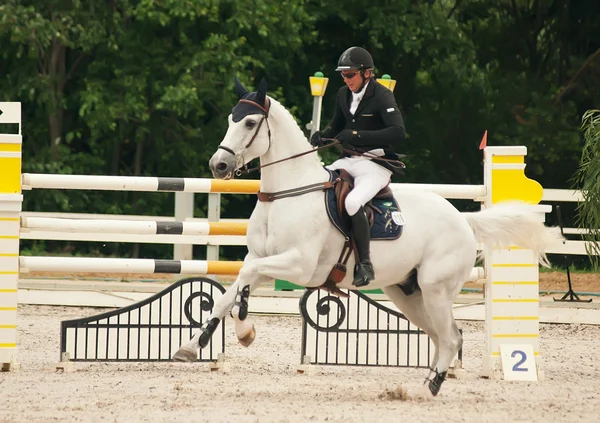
(11, 202)
(512, 275)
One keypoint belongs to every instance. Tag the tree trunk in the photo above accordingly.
(56, 74)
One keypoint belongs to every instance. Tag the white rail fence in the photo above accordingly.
(132, 229)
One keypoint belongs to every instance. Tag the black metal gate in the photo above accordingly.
(150, 330)
(359, 331)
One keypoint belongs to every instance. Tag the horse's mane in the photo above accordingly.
(295, 128)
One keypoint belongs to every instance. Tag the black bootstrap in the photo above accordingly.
(363, 271)
(362, 234)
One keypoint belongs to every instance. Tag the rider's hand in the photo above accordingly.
(317, 139)
(347, 137)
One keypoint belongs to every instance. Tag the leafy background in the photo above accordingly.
(144, 87)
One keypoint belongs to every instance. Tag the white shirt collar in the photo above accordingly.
(357, 98)
(359, 95)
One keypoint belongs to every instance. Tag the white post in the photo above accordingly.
(11, 201)
(214, 215)
(184, 209)
(315, 124)
(512, 274)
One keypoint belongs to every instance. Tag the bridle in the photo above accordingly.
(265, 117)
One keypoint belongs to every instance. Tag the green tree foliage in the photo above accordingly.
(144, 87)
(586, 179)
(537, 56)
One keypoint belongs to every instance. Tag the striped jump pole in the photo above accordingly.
(11, 202)
(512, 275)
(147, 227)
(140, 183)
(207, 186)
(122, 265)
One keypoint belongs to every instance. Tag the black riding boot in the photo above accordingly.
(363, 271)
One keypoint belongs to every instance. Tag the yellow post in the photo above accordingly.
(318, 85)
(387, 82)
(512, 275)
(10, 209)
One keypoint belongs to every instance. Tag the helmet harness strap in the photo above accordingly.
(364, 79)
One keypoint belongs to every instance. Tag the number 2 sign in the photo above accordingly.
(518, 362)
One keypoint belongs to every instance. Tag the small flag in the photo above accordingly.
(483, 143)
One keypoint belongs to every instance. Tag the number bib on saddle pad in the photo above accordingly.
(384, 215)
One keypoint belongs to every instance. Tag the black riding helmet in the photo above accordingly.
(355, 58)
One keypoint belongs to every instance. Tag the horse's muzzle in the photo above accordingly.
(222, 165)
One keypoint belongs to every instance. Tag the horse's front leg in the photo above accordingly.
(189, 350)
(287, 265)
(248, 281)
(254, 272)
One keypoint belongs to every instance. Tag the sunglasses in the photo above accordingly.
(348, 75)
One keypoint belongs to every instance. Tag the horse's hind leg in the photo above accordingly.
(412, 307)
(438, 301)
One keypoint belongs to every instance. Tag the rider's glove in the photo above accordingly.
(348, 137)
(317, 139)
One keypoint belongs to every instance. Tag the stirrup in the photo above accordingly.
(362, 276)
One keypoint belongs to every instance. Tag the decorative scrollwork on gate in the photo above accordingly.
(323, 307)
(206, 304)
(359, 331)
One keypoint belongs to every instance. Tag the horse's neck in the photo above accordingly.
(293, 173)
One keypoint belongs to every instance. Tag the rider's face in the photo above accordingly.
(353, 79)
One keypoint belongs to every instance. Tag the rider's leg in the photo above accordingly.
(369, 179)
(343, 163)
(363, 272)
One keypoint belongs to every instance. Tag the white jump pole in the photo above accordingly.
(512, 275)
(11, 202)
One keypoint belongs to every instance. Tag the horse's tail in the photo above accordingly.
(514, 224)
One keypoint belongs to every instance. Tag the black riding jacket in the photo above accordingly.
(377, 121)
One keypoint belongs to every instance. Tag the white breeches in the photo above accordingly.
(369, 179)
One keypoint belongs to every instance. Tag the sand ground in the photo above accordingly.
(263, 386)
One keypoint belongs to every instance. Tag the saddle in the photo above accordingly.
(343, 184)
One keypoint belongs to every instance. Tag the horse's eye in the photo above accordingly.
(250, 123)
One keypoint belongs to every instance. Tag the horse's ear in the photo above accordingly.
(240, 90)
(261, 92)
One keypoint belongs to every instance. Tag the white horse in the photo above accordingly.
(292, 238)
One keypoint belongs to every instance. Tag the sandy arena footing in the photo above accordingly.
(262, 384)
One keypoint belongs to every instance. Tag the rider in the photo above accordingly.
(366, 118)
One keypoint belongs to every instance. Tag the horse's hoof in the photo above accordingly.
(247, 339)
(186, 355)
(424, 393)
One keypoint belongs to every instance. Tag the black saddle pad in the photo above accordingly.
(387, 225)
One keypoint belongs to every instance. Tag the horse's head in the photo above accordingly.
(248, 135)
